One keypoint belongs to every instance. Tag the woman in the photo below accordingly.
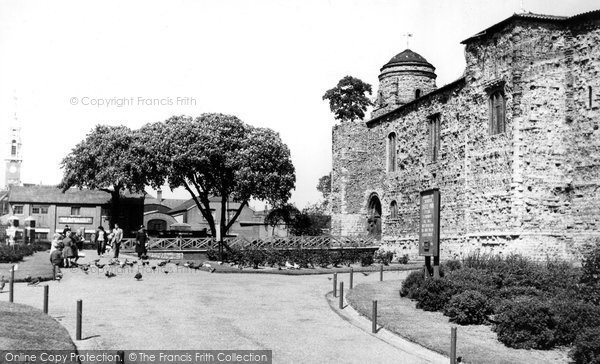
(68, 251)
(55, 242)
(100, 240)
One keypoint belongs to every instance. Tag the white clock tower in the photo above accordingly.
(14, 159)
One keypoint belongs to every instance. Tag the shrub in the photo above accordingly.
(586, 349)
(15, 253)
(525, 323)
(336, 258)
(570, 317)
(383, 257)
(591, 267)
(473, 279)
(350, 256)
(434, 294)
(254, 257)
(366, 259)
(452, 265)
(323, 258)
(468, 308)
(590, 294)
(403, 259)
(413, 282)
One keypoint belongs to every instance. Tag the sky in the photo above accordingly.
(66, 66)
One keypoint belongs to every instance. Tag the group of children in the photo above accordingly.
(65, 248)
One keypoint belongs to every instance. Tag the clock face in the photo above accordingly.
(12, 169)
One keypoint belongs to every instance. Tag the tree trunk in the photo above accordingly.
(222, 225)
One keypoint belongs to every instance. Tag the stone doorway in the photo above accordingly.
(374, 217)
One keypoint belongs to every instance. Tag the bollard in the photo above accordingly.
(79, 314)
(341, 295)
(351, 277)
(334, 284)
(120, 357)
(381, 273)
(46, 298)
(53, 272)
(374, 317)
(11, 297)
(453, 345)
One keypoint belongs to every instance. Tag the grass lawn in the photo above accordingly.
(36, 265)
(475, 343)
(26, 328)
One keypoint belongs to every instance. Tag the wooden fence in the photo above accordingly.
(292, 242)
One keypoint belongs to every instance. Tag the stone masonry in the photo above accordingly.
(532, 186)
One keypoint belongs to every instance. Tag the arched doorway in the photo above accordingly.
(374, 216)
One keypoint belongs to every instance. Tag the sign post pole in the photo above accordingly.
(429, 231)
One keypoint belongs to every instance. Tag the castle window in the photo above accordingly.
(391, 152)
(393, 210)
(13, 148)
(434, 136)
(75, 210)
(590, 97)
(417, 93)
(497, 114)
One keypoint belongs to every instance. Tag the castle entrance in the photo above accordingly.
(374, 217)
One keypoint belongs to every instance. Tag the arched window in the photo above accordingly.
(374, 216)
(497, 112)
(590, 97)
(13, 148)
(157, 225)
(391, 152)
(417, 93)
(393, 210)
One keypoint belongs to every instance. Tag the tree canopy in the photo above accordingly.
(217, 155)
(103, 161)
(348, 100)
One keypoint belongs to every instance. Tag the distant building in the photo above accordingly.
(52, 209)
(249, 224)
(156, 217)
(14, 158)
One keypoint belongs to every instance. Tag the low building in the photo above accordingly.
(52, 210)
(249, 224)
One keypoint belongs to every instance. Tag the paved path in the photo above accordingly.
(198, 310)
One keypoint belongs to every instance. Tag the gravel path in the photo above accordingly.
(199, 310)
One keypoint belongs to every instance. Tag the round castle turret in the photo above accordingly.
(407, 76)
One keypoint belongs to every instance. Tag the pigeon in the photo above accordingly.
(138, 276)
(329, 278)
(220, 263)
(34, 281)
(153, 267)
(109, 274)
(96, 260)
(28, 279)
(85, 268)
(100, 265)
(365, 273)
(296, 266)
(186, 264)
(177, 264)
(162, 264)
(288, 265)
(166, 272)
(122, 265)
(207, 265)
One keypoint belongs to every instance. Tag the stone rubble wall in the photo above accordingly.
(533, 189)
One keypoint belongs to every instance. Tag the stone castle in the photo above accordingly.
(513, 145)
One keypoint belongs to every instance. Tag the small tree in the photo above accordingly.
(348, 100)
(218, 155)
(104, 161)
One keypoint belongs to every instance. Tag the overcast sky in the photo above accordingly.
(267, 62)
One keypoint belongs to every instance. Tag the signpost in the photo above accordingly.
(429, 230)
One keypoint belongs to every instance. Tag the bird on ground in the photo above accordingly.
(206, 265)
(365, 273)
(96, 260)
(109, 274)
(186, 264)
(288, 265)
(296, 266)
(34, 281)
(85, 268)
(177, 264)
(161, 264)
(166, 272)
(122, 265)
(100, 265)
(153, 267)
(138, 276)
(28, 279)
(329, 278)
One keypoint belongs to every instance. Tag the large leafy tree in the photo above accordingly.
(103, 161)
(217, 155)
(348, 100)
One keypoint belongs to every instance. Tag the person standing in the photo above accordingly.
(100, 240)
(117, 239)
(141, 239)
(69, 250)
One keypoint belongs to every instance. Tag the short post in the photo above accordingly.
(53, 272)
(436, 267)
(79, 314)
(453, 345)
(374, 317)
(381, 273)
(351, 277)
(120, 357)
(334, 284)
(46, 298)
(341, 295)
(11, 297)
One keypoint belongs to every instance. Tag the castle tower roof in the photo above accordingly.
(407, 57)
